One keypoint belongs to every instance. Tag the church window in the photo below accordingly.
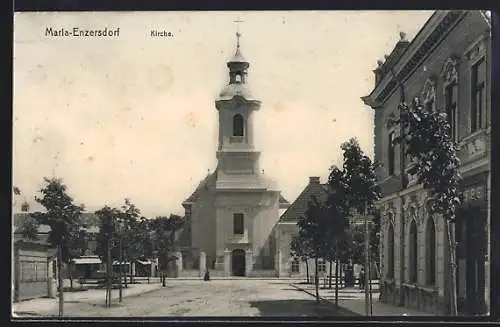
(413, 258)
(238, 223)
(238, 125)
(238, 78)
(295, 265)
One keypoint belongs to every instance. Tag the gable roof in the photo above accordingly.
(204, 183)
(283, 200)
(298, 208)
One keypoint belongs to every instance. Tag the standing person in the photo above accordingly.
(362, 278)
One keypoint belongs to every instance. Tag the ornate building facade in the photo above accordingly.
(448, 66)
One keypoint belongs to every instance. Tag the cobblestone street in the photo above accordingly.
(215, 298)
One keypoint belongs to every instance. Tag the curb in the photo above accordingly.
(325, 300)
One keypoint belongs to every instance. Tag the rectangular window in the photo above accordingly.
(391, 155)
(295, 266)
(451, 107)
(478, 104)
(238, 223)
(321, 266)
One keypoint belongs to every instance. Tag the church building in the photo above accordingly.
(231, 215)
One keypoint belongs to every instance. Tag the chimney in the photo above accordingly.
(314, 180)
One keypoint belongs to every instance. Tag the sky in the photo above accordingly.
(133, 116)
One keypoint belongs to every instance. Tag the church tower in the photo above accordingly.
(236, 107)
(232, 213)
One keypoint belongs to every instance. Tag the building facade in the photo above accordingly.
(32, 277)
(448, 66)
(231, 215)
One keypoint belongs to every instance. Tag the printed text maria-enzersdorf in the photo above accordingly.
(80, 32)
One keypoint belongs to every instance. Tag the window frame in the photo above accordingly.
(431, 264)
(477, 107)
(413, 252)
(238, 217)
(238, 128)
(476, 52)
(391, 152)
(390, 252)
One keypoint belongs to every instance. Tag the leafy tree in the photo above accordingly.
(300, 250)
(62, 216)
(362, 190)
(105, 249)
(163, 230)
(312, 228)
(433, 155)
(338, 212)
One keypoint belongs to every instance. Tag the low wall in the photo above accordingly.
(263, 273)
(190, 273)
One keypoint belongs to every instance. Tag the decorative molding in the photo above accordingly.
(450, 71)
(474, 193)
(428, 94)
(417, 51)
(477, 50)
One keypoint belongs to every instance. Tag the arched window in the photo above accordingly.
(413, 254)
(430, 233)
(390, 250)
(238, 125)
(238, 78)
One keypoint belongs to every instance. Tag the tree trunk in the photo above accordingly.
(337, 270)
(109, 267)
(330, 275)
(60, 281)
(450, 229)
(70, 276)
(307, 271)
(316, 279)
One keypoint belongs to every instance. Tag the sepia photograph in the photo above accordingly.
(251, 164)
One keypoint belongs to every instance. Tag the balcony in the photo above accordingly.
(237, 238)
(236, 139)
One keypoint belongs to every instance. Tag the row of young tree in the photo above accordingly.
(430, 152)
(325, 232)
(125, 235)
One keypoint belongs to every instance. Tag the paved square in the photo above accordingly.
(243, 297)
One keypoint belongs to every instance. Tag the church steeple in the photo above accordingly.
(238, 66)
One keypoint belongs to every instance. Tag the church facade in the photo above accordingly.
(231, 215)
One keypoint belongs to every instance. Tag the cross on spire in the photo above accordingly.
(238, 34)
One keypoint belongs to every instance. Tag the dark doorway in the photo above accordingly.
(471, 250)
(238, 260)
(475, 270)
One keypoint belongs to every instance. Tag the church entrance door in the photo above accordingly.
(238, 260)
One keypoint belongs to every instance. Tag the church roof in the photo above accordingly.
(298, 208)
(283, 200)
(238, 57)
(204, 183)
(236, 89)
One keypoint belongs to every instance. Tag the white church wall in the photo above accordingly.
(203, 227)
(264, 222)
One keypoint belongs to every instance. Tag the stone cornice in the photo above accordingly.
(432, 32)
